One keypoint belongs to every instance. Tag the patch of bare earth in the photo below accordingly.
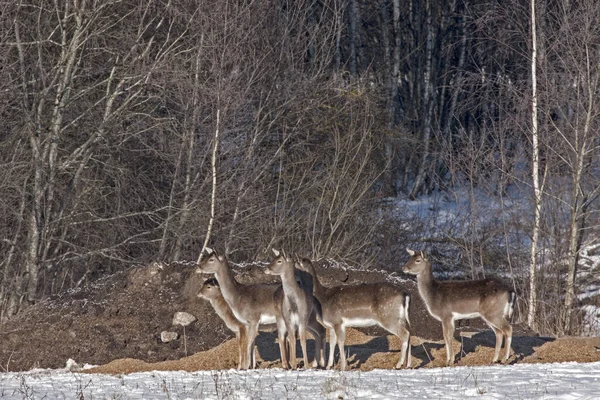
(116, 324)
(382, 352)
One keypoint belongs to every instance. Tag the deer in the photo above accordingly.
(448, 301)
(362, 305)
(301, 311)
(210, 291)
(252, 305)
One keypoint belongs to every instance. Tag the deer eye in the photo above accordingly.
(418, 260)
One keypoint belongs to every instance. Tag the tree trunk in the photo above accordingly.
(353, 33)
(213, 199)
(531, 315)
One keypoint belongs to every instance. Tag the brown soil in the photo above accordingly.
(116, 324)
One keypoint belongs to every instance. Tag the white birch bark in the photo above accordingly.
(531, 314)
(213, 198)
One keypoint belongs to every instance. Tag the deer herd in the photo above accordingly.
(301, 304)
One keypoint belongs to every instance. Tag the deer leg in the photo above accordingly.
(251, 338)
(323, 340)
(281, 331)
(503, 332)
(448, 330)
(302, 334)
(332, 343)
(405, 355)
(320, 335)
(253, 355)
(241, 338)
(341, 338)
(499, 338)
(292, 344)
(507, 331)
(397, 326)
(317, 339)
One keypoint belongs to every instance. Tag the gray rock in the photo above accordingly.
(166, 336)
(182, 318)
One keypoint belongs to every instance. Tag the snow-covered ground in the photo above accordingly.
(521, 381)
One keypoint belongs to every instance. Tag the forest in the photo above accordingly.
(134, 131)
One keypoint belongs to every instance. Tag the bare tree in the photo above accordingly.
(531, 314)
(55, 63)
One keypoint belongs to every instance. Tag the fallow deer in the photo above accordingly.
(299, 308)
(209, 290)
(252, 305)
(362, 305)
(448, 301)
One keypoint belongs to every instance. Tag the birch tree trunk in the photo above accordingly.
(531, 314)
(213, 198)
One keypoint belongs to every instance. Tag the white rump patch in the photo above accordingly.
(267, 319)
(456, 315)
(359, 322)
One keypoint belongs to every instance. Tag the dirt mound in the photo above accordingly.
(116, 323)
(382, 352)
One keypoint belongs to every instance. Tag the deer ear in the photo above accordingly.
(208, 250)
(276, 252)
(411, 252)
(423, 255)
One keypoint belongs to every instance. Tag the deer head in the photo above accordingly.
(417, 263)
(280, 264)
(212, 263)
(209, 289)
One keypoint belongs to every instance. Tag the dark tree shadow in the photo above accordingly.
(358, 354)
(522, 346)
(268, 348)
(423, 352)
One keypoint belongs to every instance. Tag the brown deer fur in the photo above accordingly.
(448, 301)
(252, 305)
(299, 309)
(210, 291)
(382, 304)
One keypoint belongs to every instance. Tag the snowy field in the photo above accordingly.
(521, 381)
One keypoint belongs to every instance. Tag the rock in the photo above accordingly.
(182, 318)
(166, 336)
(72, 365)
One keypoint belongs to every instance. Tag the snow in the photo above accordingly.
(520, 381)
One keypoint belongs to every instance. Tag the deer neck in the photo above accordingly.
(219, 304)
(426, 283)
(289, 284)
(229, 286)
(318, 290)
